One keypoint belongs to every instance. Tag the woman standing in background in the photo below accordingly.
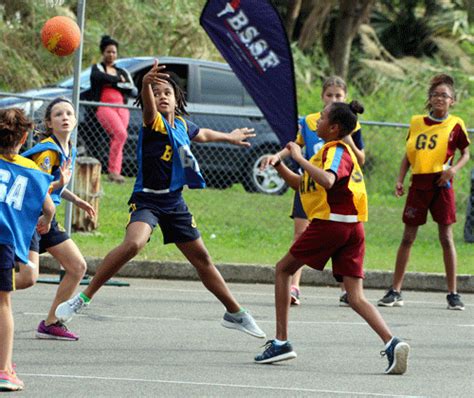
(113, 85)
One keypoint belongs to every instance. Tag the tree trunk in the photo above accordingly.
(314, 23)
(351, 14)
(292, 12)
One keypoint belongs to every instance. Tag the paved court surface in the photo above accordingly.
(164, 339)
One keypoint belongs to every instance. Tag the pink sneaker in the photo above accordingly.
(55, 331)
(295, 295)
(10, 381)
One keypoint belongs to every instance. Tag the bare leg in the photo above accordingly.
(199, 257)
(449, 255)
(136, 237)
(285, 268)
(69, 256)
(358, 302)
(6, 331)
(403, 255)
(27, 276)
(299, 227)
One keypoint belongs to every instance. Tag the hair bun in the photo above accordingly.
(105, 41)
(356, 107)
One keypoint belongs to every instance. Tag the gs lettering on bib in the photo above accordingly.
(427, 144)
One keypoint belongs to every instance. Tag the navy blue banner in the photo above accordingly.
(250, 36)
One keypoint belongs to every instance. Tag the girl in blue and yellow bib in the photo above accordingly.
(430, 148)
(23, 195)
(165, 165)
(334, 90)
(55, 156)
(333, 196)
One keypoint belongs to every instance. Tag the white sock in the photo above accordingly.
(388, 344)
(279, 342)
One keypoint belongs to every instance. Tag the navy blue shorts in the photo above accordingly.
(176, 222)
(7, 268)
(53, 237)
(297, 211)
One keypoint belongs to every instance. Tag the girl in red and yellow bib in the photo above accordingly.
(431, 145)
(334, 199)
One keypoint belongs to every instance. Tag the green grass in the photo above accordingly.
(239, 227)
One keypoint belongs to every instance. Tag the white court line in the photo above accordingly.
(271, 294)
(151, 318)
(191, 383)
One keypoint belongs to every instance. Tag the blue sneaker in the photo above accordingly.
(275, 353)
(397, 355)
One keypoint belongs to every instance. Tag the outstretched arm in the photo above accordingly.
(235, 137)
(77, 201)
(154, 76)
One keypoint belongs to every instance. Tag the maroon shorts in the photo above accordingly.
(344, 243)
(440, 202)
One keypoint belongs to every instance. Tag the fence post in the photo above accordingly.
(87, 187)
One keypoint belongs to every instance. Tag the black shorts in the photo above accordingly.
(297, 211)
(7, 268)
(176, 222)
(53, 237)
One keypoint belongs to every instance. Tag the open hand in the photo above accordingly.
(238, 136)
(65, 173)
(155, 74)
(87, 207)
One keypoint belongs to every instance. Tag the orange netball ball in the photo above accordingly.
(61, 36)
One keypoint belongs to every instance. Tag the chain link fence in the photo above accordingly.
(224, 165)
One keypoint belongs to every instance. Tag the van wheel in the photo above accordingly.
(266, 181)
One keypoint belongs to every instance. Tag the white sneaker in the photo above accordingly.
(243, 322)
(65, 311)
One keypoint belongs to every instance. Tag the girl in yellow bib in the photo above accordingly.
(430, 148)
(334, 198)
(334, 90)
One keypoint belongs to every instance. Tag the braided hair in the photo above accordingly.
(179, 94)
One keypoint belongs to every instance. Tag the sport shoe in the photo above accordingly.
(391, 299)
(295, 295)
(10, 381)
(65, 311)
(55, 331)
(275, 353)
(343, 300)
(397, 355)
(454, 302)
(244, 322)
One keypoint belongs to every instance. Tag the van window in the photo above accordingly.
(220, 87)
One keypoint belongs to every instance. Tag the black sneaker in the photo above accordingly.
(391, 299)
(275, 353)
(397, 355)
(343, 300)
(454, 302)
